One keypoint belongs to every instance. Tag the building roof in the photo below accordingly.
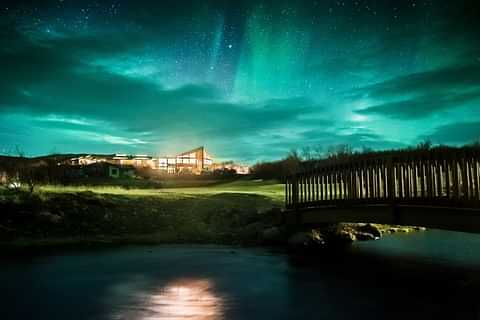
(199, 149)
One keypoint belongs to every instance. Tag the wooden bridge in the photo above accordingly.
(436, 188)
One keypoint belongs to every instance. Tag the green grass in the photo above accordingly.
(272, 190)
(227, 212)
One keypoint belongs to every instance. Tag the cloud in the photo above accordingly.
(65, 94)
(455, 133)
(422, 94)
(422, 106)
(447, 78)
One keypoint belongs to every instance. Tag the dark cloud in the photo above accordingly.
(455, 133)
(450, 78)
(423, 106)
(356, 138)
(249, 77)
(52, 78)
(422, 94)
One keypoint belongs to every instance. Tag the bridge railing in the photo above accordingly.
(440, 177)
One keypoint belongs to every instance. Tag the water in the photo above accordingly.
(418, 276)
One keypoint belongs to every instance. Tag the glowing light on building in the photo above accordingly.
(195, 161)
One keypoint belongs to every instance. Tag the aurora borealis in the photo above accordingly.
(250, 80)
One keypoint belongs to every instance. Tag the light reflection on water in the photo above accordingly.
(179, 299)
(209, 282)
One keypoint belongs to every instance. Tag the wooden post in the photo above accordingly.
(391, 180)
(309, 185)
(415, 178)
(456, 189)
(370, 182)
(354, 182)
(429, 179)
(439, 178)
(365, 182)
(407, 180)
(378, 168)
(301, 189)
(475, 177)
(464, 178)
(295, 195)
(422, 178)
(399, 174)
(384, 180)
(334, 180)
(286, 192)
(330, 185)
(341, 182)
(321, 185)
(447, 177)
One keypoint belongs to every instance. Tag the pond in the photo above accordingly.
(425, 275)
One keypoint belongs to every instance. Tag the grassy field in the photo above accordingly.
(273, 190)
(228, 212)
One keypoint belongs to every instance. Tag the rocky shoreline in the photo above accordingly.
(341, 234)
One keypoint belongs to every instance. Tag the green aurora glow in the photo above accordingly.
(249, 80)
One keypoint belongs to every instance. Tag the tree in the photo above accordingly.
(339, 151)
(318, 152)
(291, 163)
(307, 153)
(424, 145)
(26, 173)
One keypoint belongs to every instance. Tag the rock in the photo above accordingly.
(299, 239)
(317, 236)
(274, 215)
(370, 229)
(251, 232)
(308, 239)
(419, 228)
(363, 236)
(272, 234)
(345, 236)
(49, 217)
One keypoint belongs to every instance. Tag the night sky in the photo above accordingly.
(250, 80)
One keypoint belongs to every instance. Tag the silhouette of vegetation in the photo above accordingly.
(338, 154)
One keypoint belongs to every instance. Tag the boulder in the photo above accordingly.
(363, 236)
(274, 216)
(251, 233)
(306, 240)
(272, 234)
(345, 236)
(370, 229)
(49, 217)
(299, 239)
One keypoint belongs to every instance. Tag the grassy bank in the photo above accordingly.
(232, 212)
(246, 212)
